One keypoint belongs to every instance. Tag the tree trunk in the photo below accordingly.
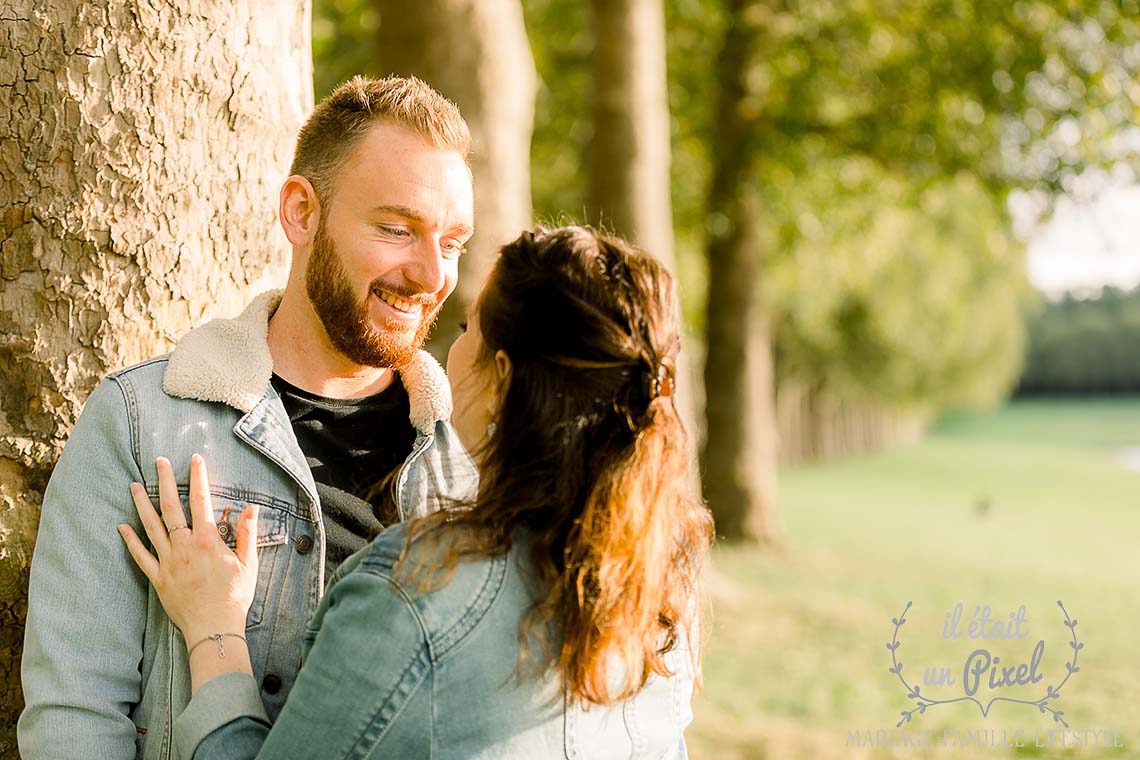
(141, 150)
(628, 153)
(740, 453)
(477, 54)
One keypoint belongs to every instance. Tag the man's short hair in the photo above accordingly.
(342, 118)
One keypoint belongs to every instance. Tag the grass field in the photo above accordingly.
(1027, 505)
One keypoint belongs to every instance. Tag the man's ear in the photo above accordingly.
(299, 211)
(502, 372)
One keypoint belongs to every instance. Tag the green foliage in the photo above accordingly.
(1085, 346)
(1018, 94)
(560, 40)
(896, 298)
(889, 135)
(344, 33)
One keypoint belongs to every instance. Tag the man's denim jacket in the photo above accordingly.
(396, 672)
(104, 670)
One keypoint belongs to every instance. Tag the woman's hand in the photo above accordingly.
(204, 587)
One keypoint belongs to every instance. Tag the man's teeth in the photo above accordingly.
(396, 302)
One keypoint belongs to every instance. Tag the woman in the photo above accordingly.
(553, 616)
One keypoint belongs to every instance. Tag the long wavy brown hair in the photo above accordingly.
(590, 455)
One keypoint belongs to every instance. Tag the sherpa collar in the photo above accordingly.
(228, 361)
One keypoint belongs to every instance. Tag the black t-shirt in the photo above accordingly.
(351, 446)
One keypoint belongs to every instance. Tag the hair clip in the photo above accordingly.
(661, 383)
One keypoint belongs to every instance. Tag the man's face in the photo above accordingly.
(386, 252)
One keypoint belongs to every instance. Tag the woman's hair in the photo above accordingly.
(590, 455)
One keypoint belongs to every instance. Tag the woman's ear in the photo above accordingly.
(502, 371)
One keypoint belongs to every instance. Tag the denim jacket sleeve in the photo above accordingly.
(87, 601)
(368, 661)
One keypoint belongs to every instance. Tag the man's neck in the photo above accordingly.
(304, 356)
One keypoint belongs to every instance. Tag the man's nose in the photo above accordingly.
(426, 271)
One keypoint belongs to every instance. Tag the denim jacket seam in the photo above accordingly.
(131, 402)
(378, 727)
(423, 443)
(475, 612)
(122, 373)
(375, 730)
(247, 496)
(168, 725)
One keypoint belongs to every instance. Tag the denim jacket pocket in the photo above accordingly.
(272, 534)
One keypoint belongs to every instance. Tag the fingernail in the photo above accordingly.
(123, 529)
(196, 458)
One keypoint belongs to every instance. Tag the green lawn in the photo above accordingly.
(1024, 506)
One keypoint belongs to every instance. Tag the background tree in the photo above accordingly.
(476, 53)
(627, 154)
(1010, 96)
(140, 161)
(1085, 346)
(740, 456)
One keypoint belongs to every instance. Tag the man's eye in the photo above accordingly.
(393, 231)
(453, 247)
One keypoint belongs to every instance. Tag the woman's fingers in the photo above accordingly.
(246, 545)
(144, 559)
(153, 526)
(201, 512)
(168, 500)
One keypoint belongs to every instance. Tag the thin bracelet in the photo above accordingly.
(218, 637)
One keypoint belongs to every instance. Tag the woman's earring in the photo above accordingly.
(491, 427)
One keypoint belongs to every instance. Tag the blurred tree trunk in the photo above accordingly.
(807, 413)
(740, 455)
(477, 54)
(140, 157)
(627, 156)
(628, 152)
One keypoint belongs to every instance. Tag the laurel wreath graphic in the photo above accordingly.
(923, 702)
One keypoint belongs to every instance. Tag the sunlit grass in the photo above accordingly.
(1028, 505)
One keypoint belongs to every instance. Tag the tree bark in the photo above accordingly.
(141, 148)
(740, 455)
(477, 54)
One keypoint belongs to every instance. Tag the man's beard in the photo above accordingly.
(346, 320)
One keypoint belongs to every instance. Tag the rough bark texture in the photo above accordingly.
(628, 154)
(141, 148)
(740, 456)
(477, 54)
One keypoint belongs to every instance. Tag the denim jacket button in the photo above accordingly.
(304, 544)
(271, 684)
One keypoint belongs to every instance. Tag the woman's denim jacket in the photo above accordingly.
(394, 671)
(104, 671)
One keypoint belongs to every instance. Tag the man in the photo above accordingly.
(301, 406)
